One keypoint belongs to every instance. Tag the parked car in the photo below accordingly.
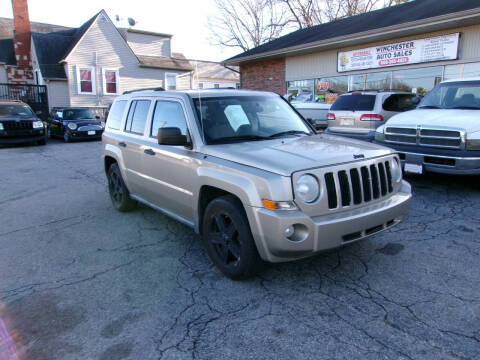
(74, 124)
(19, 124)
(357, 114)
(248, 174)
(314, 112)
(443, 134)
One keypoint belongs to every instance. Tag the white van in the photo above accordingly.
(442, 134)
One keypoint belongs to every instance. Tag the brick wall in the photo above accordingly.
(267, 75)
(22, 73)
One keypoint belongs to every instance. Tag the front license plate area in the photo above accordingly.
(413, 168)
(91, 132)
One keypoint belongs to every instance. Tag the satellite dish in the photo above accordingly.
(131, 21)
(117, 18)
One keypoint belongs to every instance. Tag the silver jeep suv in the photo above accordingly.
(244, 170)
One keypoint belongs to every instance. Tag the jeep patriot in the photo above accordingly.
(249, 174)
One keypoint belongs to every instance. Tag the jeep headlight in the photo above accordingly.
(1, 127)
(72, 126)
(379, 133)
(473, 141)
(38, 125)
(102, 124)
(307, 188)
(396, 170)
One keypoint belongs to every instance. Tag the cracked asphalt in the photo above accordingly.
(81, 281)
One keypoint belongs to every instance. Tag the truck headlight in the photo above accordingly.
(307, 188)
(379, 133)
(396, 170)
(473, 141)
(72, 126)
(38, 125)
(1, 127)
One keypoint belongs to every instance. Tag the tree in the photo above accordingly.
(246, 23)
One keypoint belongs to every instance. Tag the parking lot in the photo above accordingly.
(81, 281)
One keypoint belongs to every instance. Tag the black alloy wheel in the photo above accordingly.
(228, 239)
(118, 191)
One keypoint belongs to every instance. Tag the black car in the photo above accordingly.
(74, 124)
(19, 124)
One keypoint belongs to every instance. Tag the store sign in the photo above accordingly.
(323, 86)
(407, 52)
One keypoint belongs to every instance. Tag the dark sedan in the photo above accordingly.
(75, 124)
(19, 124)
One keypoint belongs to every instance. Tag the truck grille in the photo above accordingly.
(358, 185)
(449, 139)
(17, 125)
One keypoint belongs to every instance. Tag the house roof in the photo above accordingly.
(210, 69)
(137, 31)
(6, 28)
(164, 62)
(374, 21)
(7, 52)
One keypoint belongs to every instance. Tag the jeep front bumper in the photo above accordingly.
(325, 232)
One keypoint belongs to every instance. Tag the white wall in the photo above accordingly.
(58, 95)
(152, 45)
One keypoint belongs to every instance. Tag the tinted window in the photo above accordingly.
(137, 116)
(116, 114)
(15, 110)
(168, 114)
(74, 114)
(354, 102)
(399, 102)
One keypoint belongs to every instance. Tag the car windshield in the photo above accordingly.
(354, 102)
(74, 114)
(247, 118)
(15, 110)
(453, 95)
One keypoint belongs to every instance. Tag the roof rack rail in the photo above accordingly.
(144, 89)
(377, 90)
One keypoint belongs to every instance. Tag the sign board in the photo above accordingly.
(437, 48)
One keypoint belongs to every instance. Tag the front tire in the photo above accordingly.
(119, 193)
(67, 138)
(228, 239)
(42, 142)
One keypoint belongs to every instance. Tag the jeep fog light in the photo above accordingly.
(396, 170)
(288, 231)
(307, 188)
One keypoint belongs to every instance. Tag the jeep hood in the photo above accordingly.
(468, 120)
(287, 155)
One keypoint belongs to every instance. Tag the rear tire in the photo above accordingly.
(228, 239)
(119, 193)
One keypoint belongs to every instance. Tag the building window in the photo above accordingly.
(237, 85)
(86, 80)
(328, 89)
(200, 85)
(462, 71)
(171, 81)
(216, 86)
(300, 90)
(110, 81)
(419, 81)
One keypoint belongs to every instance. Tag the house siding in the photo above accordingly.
(324, 63)
(102, 46)
(3, 74)
(57, 94)
(151, 45)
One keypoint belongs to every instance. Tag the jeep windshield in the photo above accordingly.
(15, 110)
(453, 95)
(247, 118)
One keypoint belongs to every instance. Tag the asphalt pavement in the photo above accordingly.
(79, 280)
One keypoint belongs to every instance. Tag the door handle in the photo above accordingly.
(149, 152)
(122, 144)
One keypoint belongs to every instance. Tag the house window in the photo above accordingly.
(86, 80)
(171, 81)
(110, 81)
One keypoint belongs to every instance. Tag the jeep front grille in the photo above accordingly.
(449, 139)
(17, 125)
(358, 185)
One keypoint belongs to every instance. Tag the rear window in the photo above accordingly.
(354, 102)
(399, 102)
(116, 114)
(137, 116)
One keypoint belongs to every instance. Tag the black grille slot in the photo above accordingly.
(389, 176)
(331, 191)
(356, 186)
(375, 182)
(366, 181)
(383, 179)
(405, 131)
(17, 125)
(344, 188)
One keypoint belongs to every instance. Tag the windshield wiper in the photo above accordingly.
(466, 107)
(289, 132)
(429, 107)
(237, 138)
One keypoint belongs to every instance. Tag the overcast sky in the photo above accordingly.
(186, 20)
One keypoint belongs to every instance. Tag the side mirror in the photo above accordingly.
(172, 136)
(97, 117)
(416, 100)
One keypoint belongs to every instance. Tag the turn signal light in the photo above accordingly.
(279, 205)
(371, 117)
